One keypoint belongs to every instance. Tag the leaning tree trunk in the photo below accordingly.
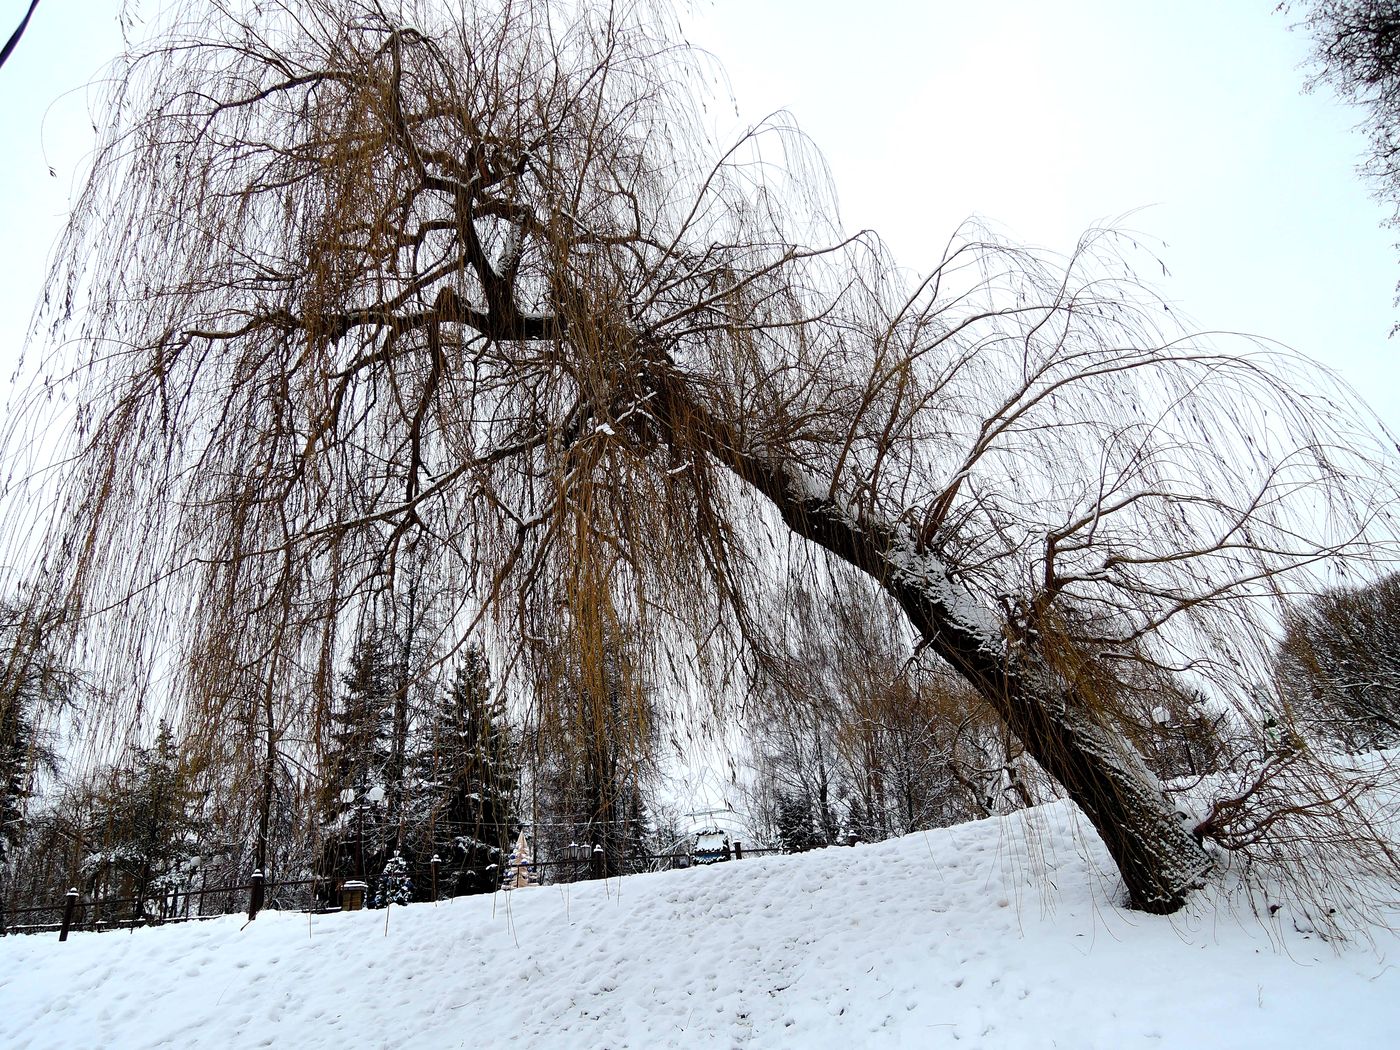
(1159, 860)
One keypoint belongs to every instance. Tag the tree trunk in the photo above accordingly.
(266, 793)
(1159, 860)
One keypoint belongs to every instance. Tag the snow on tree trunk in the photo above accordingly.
(1158, 859)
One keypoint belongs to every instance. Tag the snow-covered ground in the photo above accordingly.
(998, 934)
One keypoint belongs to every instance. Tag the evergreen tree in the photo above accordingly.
(395, 885)
(16, 736)
(594, 756)
(30, 680)
(146, 825)
(861, 823)
(637, 837)
(796, 824)
(466, 781)
(359, 832)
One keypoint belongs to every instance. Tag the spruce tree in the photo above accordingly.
(796, 824)
(358, 832)
(15, 743)
(395, 885)
(31, 680)
(636, 834)
(147, 823)
(593, 763)
(466, 777)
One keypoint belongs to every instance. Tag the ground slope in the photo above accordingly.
(940, 939)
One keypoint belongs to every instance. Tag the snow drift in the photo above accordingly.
(1001, 934)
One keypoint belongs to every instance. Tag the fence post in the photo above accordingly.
(597, 863)
(738, 850)
(433, 865)
(352, 895)
(255, 898)
(70, 904)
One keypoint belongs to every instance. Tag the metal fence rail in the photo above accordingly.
(72, 912)
(192, 904)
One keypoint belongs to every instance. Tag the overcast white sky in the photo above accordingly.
(1043, 116)
(1049, 116)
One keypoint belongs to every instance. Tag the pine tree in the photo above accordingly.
(146, 823)
(593, 762)
(16, 736)
(395, 885)
(30, 680)
(359, 833)
(466, 780)
(637, 835)
(796, 824)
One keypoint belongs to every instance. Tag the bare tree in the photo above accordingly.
(1356, 53)
(1339, 664)
(351, 276)
(871, 742)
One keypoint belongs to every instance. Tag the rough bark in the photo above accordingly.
(1159, 860)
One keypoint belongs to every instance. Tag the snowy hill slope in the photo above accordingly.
(941, 939)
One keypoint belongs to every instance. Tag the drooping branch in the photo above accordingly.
(1159, 861)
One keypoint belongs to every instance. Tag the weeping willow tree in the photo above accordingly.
(362, 283)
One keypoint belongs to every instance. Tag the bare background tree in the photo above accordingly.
(1356, 53)
(856, 739)
(1339, 664)
(356, 286)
